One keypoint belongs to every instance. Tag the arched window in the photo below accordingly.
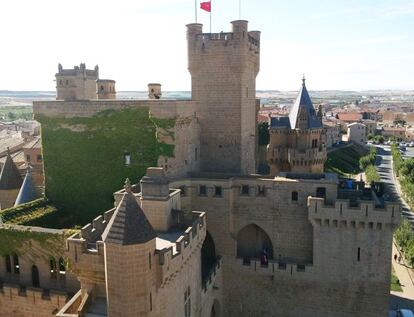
(62, 266)
(53, 268)
(8, 263)
(35, 276)
(253, 242)
(16, 266)
(102, 88)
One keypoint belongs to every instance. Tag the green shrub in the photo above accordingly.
(372, 174)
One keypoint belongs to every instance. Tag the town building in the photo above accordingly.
(357, 132)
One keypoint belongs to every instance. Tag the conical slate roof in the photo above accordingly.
(303, 102)
(128, 225)
(10, 177)
(28, 191)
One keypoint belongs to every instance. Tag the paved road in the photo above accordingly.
(384, 167)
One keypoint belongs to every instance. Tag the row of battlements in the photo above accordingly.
(93, 231)
(347, 210)
(172, 258)
(276, 268)
(13, 290)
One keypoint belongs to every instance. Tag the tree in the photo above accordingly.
(264, 136)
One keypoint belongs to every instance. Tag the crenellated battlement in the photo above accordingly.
(277, 269)
(18, 294)
(172, 258)
(93, 231)
(348, 214)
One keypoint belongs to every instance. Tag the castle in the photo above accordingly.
(202, 234)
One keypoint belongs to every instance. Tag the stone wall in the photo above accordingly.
(33, 302)
(314, 270)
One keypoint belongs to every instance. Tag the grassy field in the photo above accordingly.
(84, 159)
(345, 161)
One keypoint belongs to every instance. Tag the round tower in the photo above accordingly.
(129, 248)
(154, 91)
(105, 89)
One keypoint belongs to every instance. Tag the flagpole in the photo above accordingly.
(211, 9)
(195, 10)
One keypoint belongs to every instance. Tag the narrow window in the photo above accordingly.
(35, 276)
(196, 154)
(294, 196)
(359, 255)
(149, 260)
(245, 190)
(102, 88)
(60, 82)
(39, 158)
(16, 265)
(150, 301)
(127, 158)
(62, 266)
(203, 190)
(218, 191)
(28, 158)
(8, 263)
(53, 269)
(261, 191)
(321, 192)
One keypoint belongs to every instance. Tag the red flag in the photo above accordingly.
(206, 6)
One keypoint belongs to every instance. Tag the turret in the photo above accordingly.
(223, 68)
(78, 83)
(154, 91)
(129, 244)
(297, 142)
(105, 89)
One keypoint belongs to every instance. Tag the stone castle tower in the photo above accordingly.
(297, 142)
(105, 89)
(223, 68)
(78, 83)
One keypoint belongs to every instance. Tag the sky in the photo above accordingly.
(338, 45)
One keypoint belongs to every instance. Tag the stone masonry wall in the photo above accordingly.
(30, 302)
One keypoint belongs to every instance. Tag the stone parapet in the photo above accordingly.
(342, 213)
(277, 269)
(88, 108)
(172, 259)
(29, 301)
